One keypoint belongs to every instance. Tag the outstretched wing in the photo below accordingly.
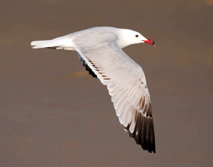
(126, 83)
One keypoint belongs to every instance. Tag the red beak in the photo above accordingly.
(149, 41)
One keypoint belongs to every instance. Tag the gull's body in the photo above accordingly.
(99, 49)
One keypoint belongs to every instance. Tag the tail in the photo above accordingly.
(43, 44)
(57, 43)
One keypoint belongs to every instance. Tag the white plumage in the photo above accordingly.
(99, 49)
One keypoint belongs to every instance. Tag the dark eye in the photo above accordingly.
(136, 36)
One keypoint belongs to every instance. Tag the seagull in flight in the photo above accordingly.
(100, 51)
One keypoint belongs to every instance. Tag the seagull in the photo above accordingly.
(100, 51)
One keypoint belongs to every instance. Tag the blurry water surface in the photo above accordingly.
(53, 114)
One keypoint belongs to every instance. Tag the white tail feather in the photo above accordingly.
(57, 43)
(43, 44)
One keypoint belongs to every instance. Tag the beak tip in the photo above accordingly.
(153, 43)
(150, 42)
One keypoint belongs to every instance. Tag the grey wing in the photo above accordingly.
(126, 83)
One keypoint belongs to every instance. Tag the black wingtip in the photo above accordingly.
(144, 133)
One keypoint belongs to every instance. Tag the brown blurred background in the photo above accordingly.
(53, 114)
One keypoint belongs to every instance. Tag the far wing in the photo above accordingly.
(126, 83)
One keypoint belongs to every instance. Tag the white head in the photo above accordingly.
(128, 37)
